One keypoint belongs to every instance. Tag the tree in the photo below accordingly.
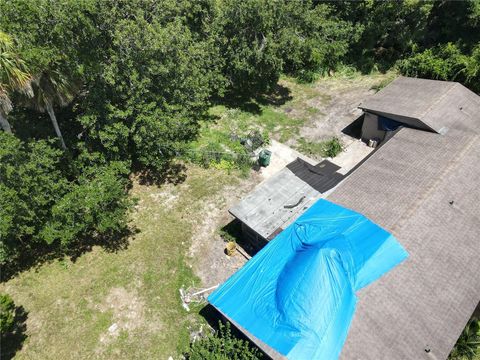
(468, 344)
(14, 76)
(31, 182)
(153, 86)
(94, 207)
(222, 345)
(52, 88)
(7, 314)
(445, 62)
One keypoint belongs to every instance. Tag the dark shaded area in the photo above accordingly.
(278, 96)
(322, 177)
(173, 174)
(213, 317)
(29, 124)
(13, 341)
(42, 253)
(354, 129)
(233, 232)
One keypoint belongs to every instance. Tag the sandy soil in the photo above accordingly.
(337, 103)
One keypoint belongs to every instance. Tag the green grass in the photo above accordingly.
(71, 305)
(326, 148)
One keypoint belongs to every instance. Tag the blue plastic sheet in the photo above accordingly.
(298, 293)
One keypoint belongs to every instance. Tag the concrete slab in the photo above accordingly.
(352, 154)
(282, 155)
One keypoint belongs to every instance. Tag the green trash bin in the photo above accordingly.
(264, 157)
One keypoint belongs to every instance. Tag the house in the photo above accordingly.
(422, 186)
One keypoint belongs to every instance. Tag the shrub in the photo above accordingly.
(7, 314)
(468, 344)
(222, 345)
(329, 148)
(332, 147)
(445, 62)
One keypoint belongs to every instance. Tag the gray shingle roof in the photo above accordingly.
(408, 187)
(439, 105)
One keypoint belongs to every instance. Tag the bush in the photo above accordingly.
(7, 314)
(48, 207)
(332, 147)
(468, 344)
(329, 148)
(222, 345)
(445, 62)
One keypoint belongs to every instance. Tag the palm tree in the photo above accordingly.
(13, 77)
(51, 88)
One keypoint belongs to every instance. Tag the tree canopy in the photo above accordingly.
(126, 83)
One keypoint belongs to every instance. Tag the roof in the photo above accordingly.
(422, 187)
(318, 262)
(438, 105)
(279, 200)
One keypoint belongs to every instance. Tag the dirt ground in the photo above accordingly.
(337, 103)
(207, 252)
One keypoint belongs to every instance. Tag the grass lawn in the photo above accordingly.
(126, 305)
(71, 306)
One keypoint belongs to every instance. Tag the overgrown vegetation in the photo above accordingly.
(468, 344)
(7, 314)
(94, 93)
(327, 148)
(126, 86)
(222, 345)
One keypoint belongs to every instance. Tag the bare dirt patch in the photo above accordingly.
(207, 251)
(128, 313)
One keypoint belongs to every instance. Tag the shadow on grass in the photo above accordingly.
(173, 174)
(278, 96)
(43, 253)
(13, 341)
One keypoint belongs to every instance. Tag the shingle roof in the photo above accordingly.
(423, 187)
(439, 105)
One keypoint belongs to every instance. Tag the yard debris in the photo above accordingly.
(113, 328)
(196, 295)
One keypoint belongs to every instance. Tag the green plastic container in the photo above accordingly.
(264, 157)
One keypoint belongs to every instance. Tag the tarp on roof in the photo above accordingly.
(297, 294)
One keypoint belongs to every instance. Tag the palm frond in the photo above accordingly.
(14, 74)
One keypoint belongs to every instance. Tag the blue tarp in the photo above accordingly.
(298, 293)
(387, 124)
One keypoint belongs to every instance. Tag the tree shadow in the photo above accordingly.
(173, 174)
(111, 243)
(40, 254)
(252, 104)
(13, 341)
(278, 96)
